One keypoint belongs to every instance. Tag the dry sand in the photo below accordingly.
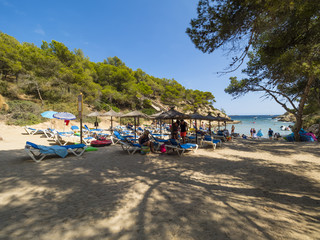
(245, 190)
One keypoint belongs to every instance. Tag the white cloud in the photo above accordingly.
(39, 30)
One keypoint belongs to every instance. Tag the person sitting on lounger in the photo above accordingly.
(144, 140)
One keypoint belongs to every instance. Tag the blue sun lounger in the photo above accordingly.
(39, 152)
(181, 148)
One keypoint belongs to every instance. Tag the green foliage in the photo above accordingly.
(148, 111)
(284, 37)
(55, 75)
(23, 113)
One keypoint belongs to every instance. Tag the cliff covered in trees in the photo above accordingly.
(52, 76)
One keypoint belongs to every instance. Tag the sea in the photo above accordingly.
(263, 122)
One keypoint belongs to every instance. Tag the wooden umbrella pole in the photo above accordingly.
(196, 132)
(135, 127)
(111, 126)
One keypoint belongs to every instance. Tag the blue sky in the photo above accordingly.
(144, 34)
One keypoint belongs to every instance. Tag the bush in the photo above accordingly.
(149, 111)
(24, 113)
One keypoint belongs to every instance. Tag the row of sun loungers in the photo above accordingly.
(123, 137)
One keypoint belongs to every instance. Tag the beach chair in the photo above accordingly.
(117, 137)
(33, 131)
(180, 148)
(39, 152)
(130, 147)
(91, 131)
(209, 140)
(63, 138)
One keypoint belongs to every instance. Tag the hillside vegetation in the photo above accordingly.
(34, 79)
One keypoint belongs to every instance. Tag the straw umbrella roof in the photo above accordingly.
(94, 114)
(172, 114)
(209, 117)
(196, 115)
(135, 114)
(112, 113)
(223, 119)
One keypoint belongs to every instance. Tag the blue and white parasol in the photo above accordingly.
(64, 116)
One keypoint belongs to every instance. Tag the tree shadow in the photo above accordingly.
(109, 194)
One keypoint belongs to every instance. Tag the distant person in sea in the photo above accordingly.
(183, 130)
(270, 133)
(232, 129)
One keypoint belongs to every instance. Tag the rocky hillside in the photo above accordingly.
(287, 117)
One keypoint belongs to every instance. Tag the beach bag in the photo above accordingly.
(145, 150)
(163, 148)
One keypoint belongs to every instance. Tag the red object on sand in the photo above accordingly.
(101, 143)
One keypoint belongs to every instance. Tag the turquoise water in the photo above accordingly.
(263, 122)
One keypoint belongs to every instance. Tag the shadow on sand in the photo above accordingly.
(110, 195)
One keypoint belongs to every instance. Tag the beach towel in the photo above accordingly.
(60, 151)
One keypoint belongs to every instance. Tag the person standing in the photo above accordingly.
(270, 133)
(183, 130)
(175, 129)
(232, 130)
(254, 133)
(251, 132)
(260, 134)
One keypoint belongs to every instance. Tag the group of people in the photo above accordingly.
(259, 134)
(181, 126)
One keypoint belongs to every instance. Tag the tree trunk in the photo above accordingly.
(299, 114)
(298, 126)
(38, 90)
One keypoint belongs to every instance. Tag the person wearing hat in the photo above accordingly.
(144, 140)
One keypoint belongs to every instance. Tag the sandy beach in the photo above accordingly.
(248, 189)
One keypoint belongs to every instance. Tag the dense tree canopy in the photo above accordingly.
(54, 74)
(281, 39)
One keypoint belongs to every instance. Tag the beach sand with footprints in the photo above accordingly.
(248, 189)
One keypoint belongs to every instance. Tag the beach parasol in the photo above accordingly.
(210, 118)
(172, 114)
(95, 114)
(222, 119)
(112, 113)
(135, 114)
(197, 116)
(48, 114)
(64, 116)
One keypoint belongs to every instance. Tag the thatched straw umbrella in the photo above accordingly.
(172, 114)
(197, 116)
(135, 114)
(112, 113)
(95, 114)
